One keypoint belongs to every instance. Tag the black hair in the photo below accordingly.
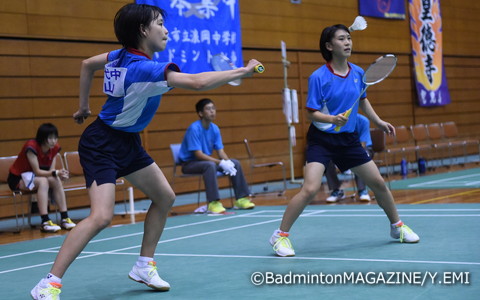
(44, 131)
(327, 35)
(202, 103)
(129, 20)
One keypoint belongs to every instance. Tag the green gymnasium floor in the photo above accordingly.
(468, 179)
(218, 257)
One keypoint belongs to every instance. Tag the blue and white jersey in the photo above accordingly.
(333, 94)
(199, 138)
(134, 85)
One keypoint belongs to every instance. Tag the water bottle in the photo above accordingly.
(422, 165)
(404, 168)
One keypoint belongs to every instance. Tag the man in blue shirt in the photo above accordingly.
(201, 138)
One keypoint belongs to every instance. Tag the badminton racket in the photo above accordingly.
(222, 63)
(375, 73)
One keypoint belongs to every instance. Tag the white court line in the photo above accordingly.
(129, 235)
(442, 180)
(161, 242)
(311, 258)
(378, 209)
(309, 213)
(138, 246)
(361, 216)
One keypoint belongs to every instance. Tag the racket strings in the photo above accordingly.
(380, 70)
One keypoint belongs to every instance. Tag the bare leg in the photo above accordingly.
(151, 181)
(313, 181)
(102, 200)
(371, 176)
(58, 193)
(41, 184)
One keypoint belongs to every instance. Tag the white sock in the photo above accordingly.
(52, 278)
(278, 231)
(143, 261)
(398, 223)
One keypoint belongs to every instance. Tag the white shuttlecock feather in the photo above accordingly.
(359, 24)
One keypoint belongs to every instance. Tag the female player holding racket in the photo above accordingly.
(333, 89)
(110, 147)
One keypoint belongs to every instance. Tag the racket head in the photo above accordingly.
(380, 69)
(222, 63)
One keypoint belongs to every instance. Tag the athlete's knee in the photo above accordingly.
(378, 185)
(309, 192)
(101, 220)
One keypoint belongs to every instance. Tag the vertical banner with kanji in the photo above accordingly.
(199, 29)
(426, 36)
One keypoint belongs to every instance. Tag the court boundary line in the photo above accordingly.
(309, 258)
(310, 213)
(50, 250)
(447, 196)
(430, 182)
(125, 235)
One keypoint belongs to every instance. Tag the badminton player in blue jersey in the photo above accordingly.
(110, 147)
(332, 90)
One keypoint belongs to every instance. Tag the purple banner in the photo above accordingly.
(427, 52)
(389, 9)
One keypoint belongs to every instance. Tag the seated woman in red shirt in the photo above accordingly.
(34, 170)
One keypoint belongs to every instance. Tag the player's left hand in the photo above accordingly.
(387, 127)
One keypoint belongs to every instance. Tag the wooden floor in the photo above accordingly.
(401, 197)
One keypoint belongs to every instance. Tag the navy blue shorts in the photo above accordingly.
(343, 148)
(107, 154)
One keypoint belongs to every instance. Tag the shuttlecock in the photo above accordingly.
(359, 24)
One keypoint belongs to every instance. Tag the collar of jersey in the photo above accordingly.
(333, 72)
(138, 52)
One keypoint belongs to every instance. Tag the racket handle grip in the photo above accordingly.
(346, 115)
(259, 68)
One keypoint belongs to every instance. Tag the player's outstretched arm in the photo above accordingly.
(88, 68)
(209, 80)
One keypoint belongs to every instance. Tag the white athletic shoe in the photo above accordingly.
(49, 226)
(67, 224)
(404, 233)
(364, 196)
(282, 245)
(335, 196)
(149, 276)
(45, 290)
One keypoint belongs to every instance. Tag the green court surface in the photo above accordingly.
(464, 179)
(343, 252)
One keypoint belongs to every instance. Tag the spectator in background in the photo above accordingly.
(201, 138)
(34, 170)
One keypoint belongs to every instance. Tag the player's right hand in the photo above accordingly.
(340, 119)
(251, 66)
(81, 115)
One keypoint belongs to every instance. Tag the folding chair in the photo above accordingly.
(401, 144)
(175, 149)
(435, 135)
(6, 193)
(254, 166)
(450, 132)
(423, 141)
(379, 148)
